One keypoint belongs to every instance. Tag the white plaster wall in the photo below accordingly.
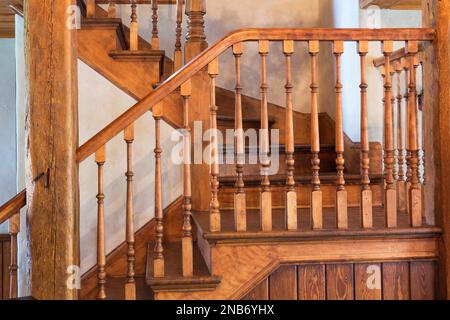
(100, 102)
(8, 169)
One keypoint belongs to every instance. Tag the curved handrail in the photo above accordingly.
(205, 57)
(12, 206)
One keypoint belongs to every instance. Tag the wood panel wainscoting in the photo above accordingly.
(5, 262)
(393, 280)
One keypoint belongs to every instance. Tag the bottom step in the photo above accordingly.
(173, 279)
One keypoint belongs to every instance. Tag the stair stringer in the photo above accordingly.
(243, 265)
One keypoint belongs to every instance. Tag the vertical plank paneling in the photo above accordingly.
(395, 281)
(311, 282)
(283, 284)
(261, 292)
(423, 278)
(367, 281)
(339, 279)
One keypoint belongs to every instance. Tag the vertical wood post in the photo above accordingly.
(134, 28)
(366, 192)
(291, 193)
(177, 54)
(90, 8)
(316, 193)
(155, 37)
(100, 158)
(390, 208)
(112, 12)
(52, 135)
(341, 193)
(14, 225)
(436, 14)
(401, 173)
(199, 102)
(130, 286)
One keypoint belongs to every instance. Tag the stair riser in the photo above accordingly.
(226, 196)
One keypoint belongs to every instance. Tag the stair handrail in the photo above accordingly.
(13, 206)
(241, 35)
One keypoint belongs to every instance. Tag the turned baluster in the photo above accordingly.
(239, 194)
(130, 286)
(187, 246)
(341, 193)
(100, 158)
(155, 38)
(390, 207)
(266, 194)
(14, 226)
(134, 35)
(177, 55)
(158, 256)
(423, 180)
(214, 212)
(415, 195)
(112, 9)
(366, 192)
(401, 173)
(291, 193)
(316, 193)
(406, 68)
(90, 8)
(394, 138)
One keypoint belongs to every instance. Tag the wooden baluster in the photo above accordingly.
(291, 193)
(405, 65)
(112, 12)
(90, 8)
(341, 193)
(394, 138)
(390, 207)
(14, 226)
(158, 257)
(177, 55)
(187, 247)
(100, 158)
(266, 194)
(366, 192)
(415, 194)
(155, 38)
(316, 194)
(214, 212)
(240, 210)
(130, 286)
(401, 174)
(422, 127)
(134, 28)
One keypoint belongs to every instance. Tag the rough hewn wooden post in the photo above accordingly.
(436, 122)
(199, 102)
(52, 135)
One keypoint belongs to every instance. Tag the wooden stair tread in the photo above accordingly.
(244, 119)
(325, 178)
(138, 55)
(305, 231)
(115, 289)
(173, 279)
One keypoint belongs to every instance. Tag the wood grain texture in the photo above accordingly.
(283, 283)
(368, 281)
(311, 282)
(339, 279)
(423, 280)
(261, 292)
(396, 281)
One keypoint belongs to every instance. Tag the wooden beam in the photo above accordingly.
(52, 135)
(436, 14)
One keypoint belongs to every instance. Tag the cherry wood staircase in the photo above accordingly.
(334, 215)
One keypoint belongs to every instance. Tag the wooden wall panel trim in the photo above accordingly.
(395, 281)
(261, 292)
(368, 281)
(423, 280)
(339, 279)
(311, 282)
(283, 283)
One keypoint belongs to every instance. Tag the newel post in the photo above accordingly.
(436, 129)
(52, 139)
(199, 104)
